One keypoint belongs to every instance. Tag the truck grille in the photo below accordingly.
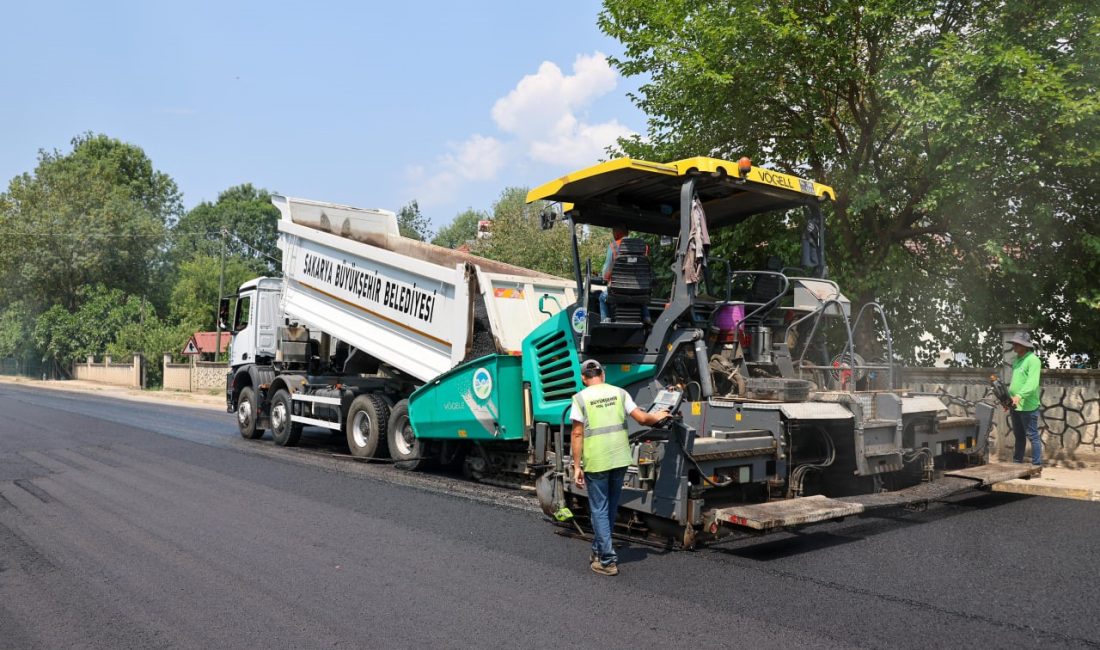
(557, 374)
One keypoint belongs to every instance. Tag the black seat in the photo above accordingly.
(765, 288)
(631, 281)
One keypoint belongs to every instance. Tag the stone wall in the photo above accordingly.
(131, 375)
(195, 376)
(1069, 419)
(207, 376)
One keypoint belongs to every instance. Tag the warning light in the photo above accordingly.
(744, 166)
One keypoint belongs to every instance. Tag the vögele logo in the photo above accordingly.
(483, 383)
(580, 320)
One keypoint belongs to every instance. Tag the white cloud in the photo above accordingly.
(542, 112)
(575, 144)
(543, 119)
(478, 158)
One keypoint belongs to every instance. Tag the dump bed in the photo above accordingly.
(417, 307)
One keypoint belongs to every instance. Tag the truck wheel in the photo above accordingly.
(248, 415)
(407, 450)
(366, 427)
(286, 433)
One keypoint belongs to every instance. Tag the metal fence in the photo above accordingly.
(14, 367)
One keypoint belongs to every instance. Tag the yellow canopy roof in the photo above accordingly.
(645, 196)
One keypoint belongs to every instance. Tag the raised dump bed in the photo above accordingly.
(419, 308)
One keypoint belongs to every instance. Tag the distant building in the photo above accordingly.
(202, 344)
(484, 228)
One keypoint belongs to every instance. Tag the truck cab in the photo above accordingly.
(255, 321)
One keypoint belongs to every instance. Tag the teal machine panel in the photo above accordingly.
(551, 365)
(481, 399)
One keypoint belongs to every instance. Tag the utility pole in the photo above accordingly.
(218, 302)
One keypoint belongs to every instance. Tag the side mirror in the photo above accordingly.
(547, 218)
(223, 314)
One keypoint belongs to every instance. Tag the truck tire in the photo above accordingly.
(407, 450)
(286, 433)
(366, 427)
(248, 414)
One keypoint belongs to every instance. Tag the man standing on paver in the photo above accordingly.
(1024, 391)
(600, 442)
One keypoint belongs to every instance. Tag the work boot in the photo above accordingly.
(609, 570)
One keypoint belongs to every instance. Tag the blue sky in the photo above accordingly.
(371, 104)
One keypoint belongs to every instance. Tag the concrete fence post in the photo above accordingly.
(106, 360)
(139, 371)
(91, 359)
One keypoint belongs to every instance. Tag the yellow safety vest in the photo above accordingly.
(606, 445)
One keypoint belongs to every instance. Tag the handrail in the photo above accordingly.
(889, 338)
(765, 307)
(543, 298)
(819, 312)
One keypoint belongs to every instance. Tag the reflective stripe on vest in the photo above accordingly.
(606, 444)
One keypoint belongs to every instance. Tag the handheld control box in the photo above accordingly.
(668, 399)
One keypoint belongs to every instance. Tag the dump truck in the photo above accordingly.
(360, 318)
(785, 400)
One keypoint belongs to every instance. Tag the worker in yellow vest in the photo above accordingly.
(601, 454)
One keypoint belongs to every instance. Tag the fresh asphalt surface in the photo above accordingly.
(133, 525)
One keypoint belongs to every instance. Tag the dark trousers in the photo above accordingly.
(604, 490)
(1025, 424)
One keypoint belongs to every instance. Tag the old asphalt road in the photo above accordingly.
(133, 525)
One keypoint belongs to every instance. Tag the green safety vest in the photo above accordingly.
(606, 445)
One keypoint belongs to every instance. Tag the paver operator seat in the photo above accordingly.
(631, 282)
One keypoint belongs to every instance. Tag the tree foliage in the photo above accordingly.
(961, 139)
(16, 329)
(67, 336)
(86, 267)
(462, 230)
(195, 292)
(244, 212)
(516, 238)
(412, 223)
(94, 215)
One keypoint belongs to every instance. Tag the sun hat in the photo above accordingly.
(1023, 339)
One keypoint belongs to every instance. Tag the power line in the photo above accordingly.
(168, 233)
(91, 235)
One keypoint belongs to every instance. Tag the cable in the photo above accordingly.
(695, 464)
(114, 235)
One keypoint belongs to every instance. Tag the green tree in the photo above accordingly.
(961, 139)
(412, 222)
(94, 215)
(516, 238)
(247, 214)
(462, 230)
(16, 331)
(152, 339)
(195, 292)
(65, 336)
